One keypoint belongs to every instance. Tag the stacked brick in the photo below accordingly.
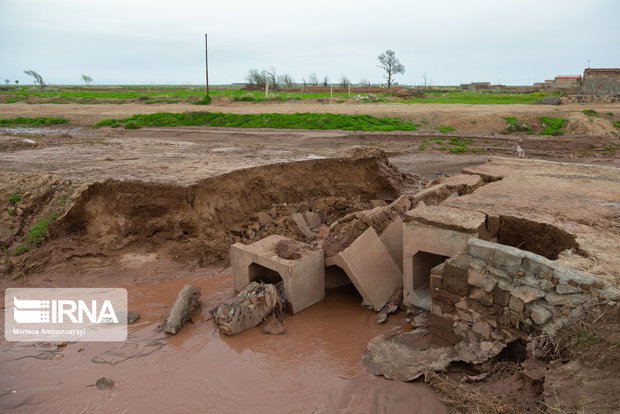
(498, 292)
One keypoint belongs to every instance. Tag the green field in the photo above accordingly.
(267, 120)
(191, 94)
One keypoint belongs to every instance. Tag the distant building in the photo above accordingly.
(601, 82)
(567, 81)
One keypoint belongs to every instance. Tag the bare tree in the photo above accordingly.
(364, 82)
(7, 81)
(325, 81)
(87, 79)
(303, 82)
(344, 81)
(38, 79)
(390, 65)
(313, 79)
(286, 80)
(272, 78)
(256, 79)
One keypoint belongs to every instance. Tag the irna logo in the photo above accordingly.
(97, 314)
(61, 311)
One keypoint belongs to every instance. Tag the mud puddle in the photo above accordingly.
(313, 368)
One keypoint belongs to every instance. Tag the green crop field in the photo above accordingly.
(267, 120)
(193, 94)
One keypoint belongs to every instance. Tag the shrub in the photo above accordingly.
(248, 97)
(15, 198)
(514, 125)
(590, 112)
(444, 129)
(131, 125)
(549, 100)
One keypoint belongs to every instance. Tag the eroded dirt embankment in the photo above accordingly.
(197, 224)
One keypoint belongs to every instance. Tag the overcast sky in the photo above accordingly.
(162, 42)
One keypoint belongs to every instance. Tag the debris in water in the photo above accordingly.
(104, 383)
(248, 309)
(186, 303)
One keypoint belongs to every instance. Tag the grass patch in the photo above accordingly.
(204, 101)
(459, 145)
(37, 230)
(514, 125)
(114, 123)
(15, 198)
(617, 123)
(590, 112)
(20, 250)
(32, 121)
(445, 128)
(267, 120)
(553, 126)
(13, 99)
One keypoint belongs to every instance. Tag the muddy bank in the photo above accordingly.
(194, 224)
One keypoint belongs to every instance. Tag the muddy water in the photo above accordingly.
(313, 368)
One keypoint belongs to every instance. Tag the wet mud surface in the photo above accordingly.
(315, 367)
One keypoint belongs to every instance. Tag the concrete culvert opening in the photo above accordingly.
(260, 273)
(540, 238)
(423, 262)
(338, 283)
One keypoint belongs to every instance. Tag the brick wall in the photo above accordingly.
(601, 82)
(498, 292)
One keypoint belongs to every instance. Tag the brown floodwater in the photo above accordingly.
(313, 368)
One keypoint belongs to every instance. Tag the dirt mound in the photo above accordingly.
(197, 224)
(288, 249)
(580, 124)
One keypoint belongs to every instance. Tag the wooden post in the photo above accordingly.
(207, 64)
(331, 90)
(267, 90)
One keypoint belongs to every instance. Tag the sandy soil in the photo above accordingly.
(169, 219)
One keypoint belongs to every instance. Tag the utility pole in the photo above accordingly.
(207, 63)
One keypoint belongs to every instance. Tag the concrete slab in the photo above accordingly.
(370, 267)
(303, 226)
(448, 218)
(392, 238)
(304, 278)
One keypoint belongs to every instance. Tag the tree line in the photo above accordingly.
(258, 79)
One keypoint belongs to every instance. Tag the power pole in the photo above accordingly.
(207, 63)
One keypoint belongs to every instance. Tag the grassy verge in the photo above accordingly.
(267, 120)
(32, 121)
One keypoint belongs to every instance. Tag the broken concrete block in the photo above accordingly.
(304, 278)
(247, 309)
(186, 303)
(433, 195)
(303, 227)
(462, 183)
(370, 267)
(313, 220)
